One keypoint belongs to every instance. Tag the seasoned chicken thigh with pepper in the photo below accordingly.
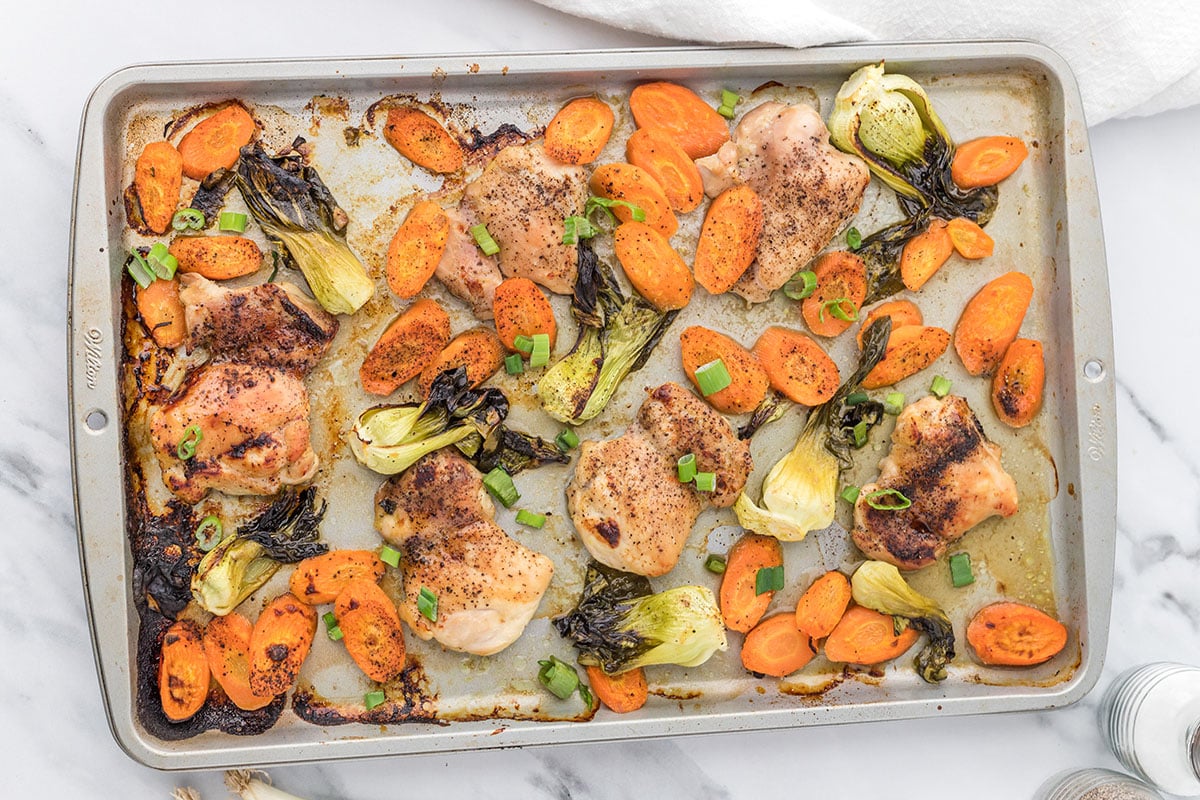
(464, 269)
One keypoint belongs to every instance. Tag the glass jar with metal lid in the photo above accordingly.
(1094, 784)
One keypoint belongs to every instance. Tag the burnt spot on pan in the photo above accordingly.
(408, 699)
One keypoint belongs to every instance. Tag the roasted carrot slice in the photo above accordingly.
(521, 309)
(370, 628)
(924, 254)
(902, 312)
(657, 152)
(748, 380)
(183, 671)
(227, 645)
(820, 608)
(416, 249)
(741, 605)
(410, 344)
(987, 161)
(729, 238)
(991, 320)
(162, 312)
(1019, 383)
(634, 185)
(863, 636)
(1015, 635)
(157, 179)
(620, 693)
(910, 349)
(969, 239)
(796, 366)
(479, 350)
(422, 140)
(696, 125)
(279, 643)
(774, 647)
(319, 579)
(216, 142)
(579, 131)
(841, 289)
(653, 267)
(217, 258)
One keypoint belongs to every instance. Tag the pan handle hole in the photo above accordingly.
(96, 420)
(1093, 370)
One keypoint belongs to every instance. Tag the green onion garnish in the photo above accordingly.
(685, 468)
(850, 494)
(188, 219)
(940, 386)
(712, 377)
(187, 445)
(331, 626)
(484, 239)
(500, 486)
(539, 356)
(523, 344)
(162, 262)
(706, 481)
(139, 270)
(595, 202)
(729, 101)
(567, 440)
(374, 699)
(232, 221)
(888, 500)
(801, 285)
(389, 555)
(715, 564)
(860, 434)
(514, 364)
(834, 307)
(960, 570)
(894, 403)
(533, 520)
(427, 604)
(853, 238)
(559, 677)
(768, 579)
(854, 398)
(208, 533)
(576, 228)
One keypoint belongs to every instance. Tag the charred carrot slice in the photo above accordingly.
(841, 289)
(797, 366)
(729, 238)
(319, 579)
(162, 312)
(653, 267)
(422, 140)
(924, 255)
(216, 142)
(621, 693)
(742, 606)
(521, 309)
(410, 344)
(1019, 383)
(157, 179)
(910, 349)
(864, 636)
(991, 320)
(279, 643)
(693, 123)
(820, 608)
(183, 671)
(370, 629)
(479, 350)
(227, 647)
(987, 161)
(416, 249)
(579, 131)
(775, 647)
(1015, 635)
(969, 239)
(657, 152)
(634, 185)
(748, 380)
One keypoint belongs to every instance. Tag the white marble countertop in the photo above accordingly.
(54, 741)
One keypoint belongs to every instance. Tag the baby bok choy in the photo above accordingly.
(879, 586)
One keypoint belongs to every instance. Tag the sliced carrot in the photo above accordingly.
(653, 267)
(157, 179)
(841, 282)
(822, 605)
(319, 579)
(796, 366)
(696, 125)
(902, 312)
(657, 152)
(910, 349)
(410, 344)
(621, 693)
(748, 380)
(279, 643)
(162, 312)
(521, 309)
(774, 647)
(1019, 383)
(741, 606)
(226, 645)
(987, 161)
(216, 142)
(422, 140)
(729, 238)
(183, 672)
(866, 637)
(991, 320)
(579, 131)
(479, 350)
(1015, 635)
(217, 258)
(969, 239)
(371, 628)
(924, 254)
(416, 249)
(634, 185)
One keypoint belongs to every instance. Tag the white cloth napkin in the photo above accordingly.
(1131, 57)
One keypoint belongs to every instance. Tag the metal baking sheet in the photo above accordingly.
(1047, 225)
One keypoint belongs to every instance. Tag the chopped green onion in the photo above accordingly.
(895, 500)
(768, 579)
(960, 570)
(854, 398)
(539, 356)
(712, 377)
(427, 604)
(187, 445)
(139, 270)
(608, 205)
(484, 239)
(715, 564)
(585, 694)
(157, 251)
(208, 533)
(232, 221)
(567, 440)
(188, 219)
(860, 434)
(576, 228)
(530, 518)
(331, 626)
(161, 262)
(706, 481)
(514, 364)
(726, 111)
(894, 403)
(523, 344)
(389, 555)
(500, 485)
(559, 677)
(834, 307)
(730, 98)
(685, 468)
(374, 699)
(940, 386)
(853, 238)
(850, 494)
(801, 285)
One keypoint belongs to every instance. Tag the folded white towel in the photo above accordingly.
(1130, 58)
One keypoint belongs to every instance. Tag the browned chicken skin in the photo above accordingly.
(941, 461)
(625, 498)
(254, 434)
